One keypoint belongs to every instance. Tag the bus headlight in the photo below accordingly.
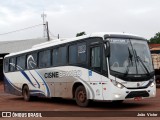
(117, 84)
(152, 84)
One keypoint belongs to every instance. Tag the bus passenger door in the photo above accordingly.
(95, 71)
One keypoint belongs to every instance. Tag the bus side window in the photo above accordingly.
(73, 54)
(55, 57)
(6, 65)
(21, 63)
(95, 58)
(82, 53)
(12, 64)
(62, 56)
(32, 61)
(45, 59)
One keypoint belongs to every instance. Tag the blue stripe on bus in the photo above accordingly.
(48, 92)
(35, 79)
(37, 91)
(26, 76)
(37, 94)
(11, 88)
(13, 85)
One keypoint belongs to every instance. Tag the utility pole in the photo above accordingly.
(58, 36)
(47, 31)
(44, 23)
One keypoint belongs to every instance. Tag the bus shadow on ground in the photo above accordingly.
(116, 106)
(93, 104)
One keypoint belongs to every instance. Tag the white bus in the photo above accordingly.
(100, 66)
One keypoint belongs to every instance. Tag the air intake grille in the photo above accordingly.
(137, 94)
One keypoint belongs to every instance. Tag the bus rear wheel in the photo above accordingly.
(81, 96)
(25, 93)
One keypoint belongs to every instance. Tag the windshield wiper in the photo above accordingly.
(139, 59)
(130, 61)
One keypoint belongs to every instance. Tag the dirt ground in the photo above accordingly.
(1, 86)
(15, 103)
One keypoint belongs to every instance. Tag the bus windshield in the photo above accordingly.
(130, 57)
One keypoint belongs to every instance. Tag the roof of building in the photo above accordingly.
(19, 45)
(154, 46)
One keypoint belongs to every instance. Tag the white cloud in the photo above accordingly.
(67, 17)
(140, 11)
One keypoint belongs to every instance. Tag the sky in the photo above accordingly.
(69, 17)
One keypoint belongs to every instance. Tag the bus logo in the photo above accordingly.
(138, 84)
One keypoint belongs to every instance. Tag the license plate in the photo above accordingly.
(138, 98)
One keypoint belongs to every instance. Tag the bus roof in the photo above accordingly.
(61, 41)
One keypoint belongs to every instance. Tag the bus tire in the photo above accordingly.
(81, 96)
(25, 93)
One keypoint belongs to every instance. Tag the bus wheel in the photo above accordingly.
(26, 94)
(81, 96)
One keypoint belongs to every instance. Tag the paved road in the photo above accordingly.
(15, 103)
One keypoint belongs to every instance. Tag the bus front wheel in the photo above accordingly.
(81, 96)
(25, 93)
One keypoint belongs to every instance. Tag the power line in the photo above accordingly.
(52, 34)
(21, 29)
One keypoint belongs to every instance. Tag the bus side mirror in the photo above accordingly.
(107, 49)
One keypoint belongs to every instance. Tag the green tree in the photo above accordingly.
(80, 34)
(155, 39)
